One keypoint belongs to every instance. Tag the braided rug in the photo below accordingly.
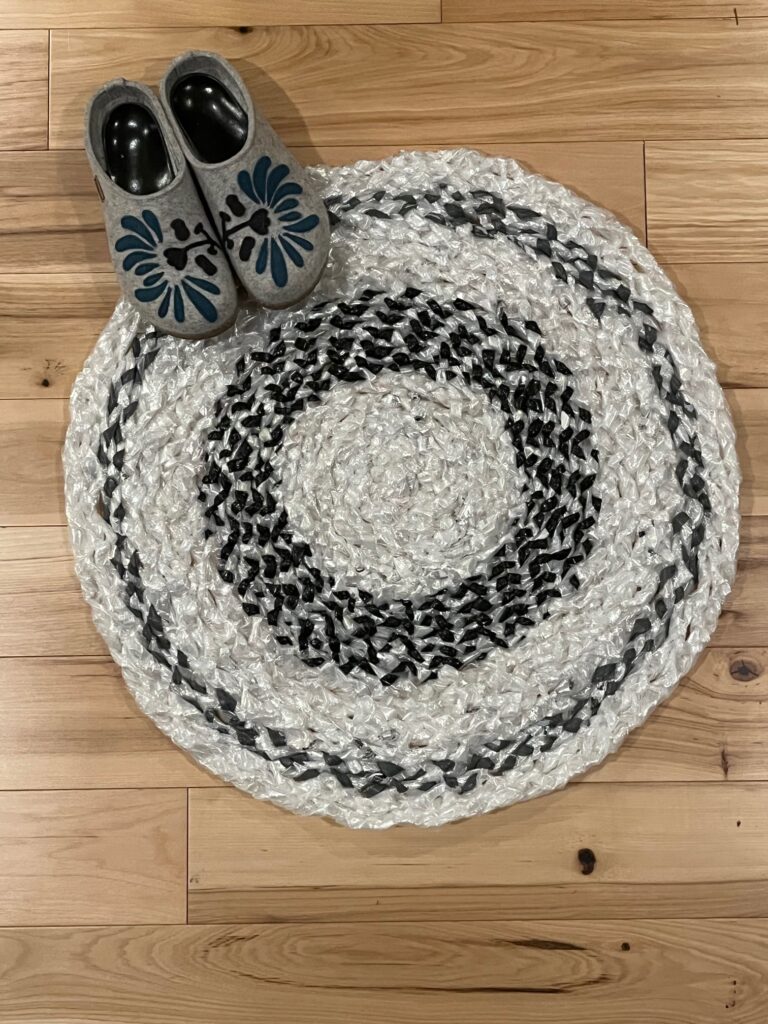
(437, 540)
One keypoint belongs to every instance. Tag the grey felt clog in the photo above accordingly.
(169, 261)
(272, 222)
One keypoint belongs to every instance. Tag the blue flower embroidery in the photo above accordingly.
(163, 269)
(277, 225)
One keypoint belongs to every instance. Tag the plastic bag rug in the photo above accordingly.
(432, 543)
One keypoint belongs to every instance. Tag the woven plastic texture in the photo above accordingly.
(433, 542)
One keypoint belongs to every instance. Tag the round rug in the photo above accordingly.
(437, 540)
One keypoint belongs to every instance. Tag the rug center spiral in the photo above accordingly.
(401, 484)
(454, 345)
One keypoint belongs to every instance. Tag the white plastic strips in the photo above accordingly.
(434, 542)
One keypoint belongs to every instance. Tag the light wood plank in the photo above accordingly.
(42, 609)
(31, 473)
(23, 89)
(666, 834)
(664, 972)
(458, 902)
(743, 620)
(443, 83)
(48, 325)
(50, 215)
(82, 730)
(750, 414)
(708, 202)
(241, 13)
(51, 219)
(77, 857)
(730, 303)
(589, 10)
(84, 295)
(753, 540)
(32, 432)
(62, 290)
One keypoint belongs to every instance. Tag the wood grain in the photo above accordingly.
(707, 202)
(241, 13)
(743, 621)
(51, 219)
(750, 414)
(23, 89)
(77, 857)
(42, 609)
(594, 10)
(82, 730)
(31, 474)
(730, 303)
(52, 247)
(449, 83)
(665, 972)
(743, 618)
(595, 901)
(640, 834)
(48, 325)
(50, 215)
(85, 295)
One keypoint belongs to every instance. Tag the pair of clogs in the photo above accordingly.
(198, 194)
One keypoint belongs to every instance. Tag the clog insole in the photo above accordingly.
(135, 155)
(213, 121)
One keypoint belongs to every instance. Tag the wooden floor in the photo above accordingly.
(135, 888)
